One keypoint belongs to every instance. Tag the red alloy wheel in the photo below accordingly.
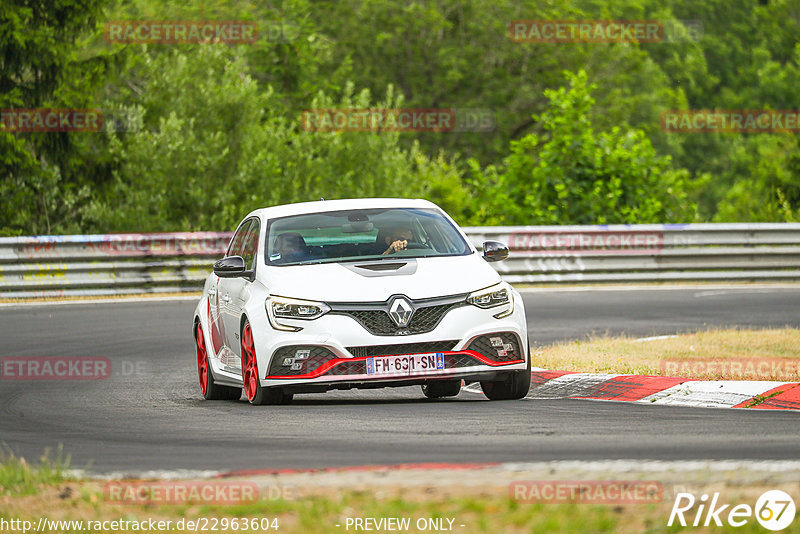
(249, 364)
(202, 360)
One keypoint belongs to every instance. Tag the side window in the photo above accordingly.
(251, 245)
(235, 248)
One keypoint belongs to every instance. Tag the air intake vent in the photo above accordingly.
(382, 266)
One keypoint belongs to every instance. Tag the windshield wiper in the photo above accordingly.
(373, 258)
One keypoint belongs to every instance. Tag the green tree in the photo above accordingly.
(209, 145)
(574, 175)
(458, 54)
(40, 182)
(765, 173)
(209, 148)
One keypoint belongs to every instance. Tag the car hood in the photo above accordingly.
(356, 282)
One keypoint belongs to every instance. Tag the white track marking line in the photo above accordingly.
(621, 466)
(654, 338)
(701, 294)
(162, 474)
(676, 287)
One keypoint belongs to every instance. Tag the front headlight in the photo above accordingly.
(287, 308)
(492, 297)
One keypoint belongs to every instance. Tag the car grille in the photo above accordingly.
(357, 367)
(316, 357)
(453, 361)
(402, 348)
(379, 323)
(500, 347)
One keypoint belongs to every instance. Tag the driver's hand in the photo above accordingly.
(396, 247)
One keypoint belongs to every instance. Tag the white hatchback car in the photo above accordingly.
(361, 293)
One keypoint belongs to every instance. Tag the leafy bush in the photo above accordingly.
(574, 175)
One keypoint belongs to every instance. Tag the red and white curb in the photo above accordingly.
(763, 395)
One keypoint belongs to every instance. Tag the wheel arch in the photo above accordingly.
(243, 319)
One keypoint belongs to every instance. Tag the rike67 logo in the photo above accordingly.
(774, 510)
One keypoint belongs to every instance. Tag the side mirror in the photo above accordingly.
(494, 251)
(230, 267)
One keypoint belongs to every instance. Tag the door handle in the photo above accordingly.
(226, 298)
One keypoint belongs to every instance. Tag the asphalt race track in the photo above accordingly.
(149, 414)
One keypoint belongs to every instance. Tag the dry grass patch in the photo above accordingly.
(735, 354)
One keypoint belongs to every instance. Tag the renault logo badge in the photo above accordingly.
(401, 311)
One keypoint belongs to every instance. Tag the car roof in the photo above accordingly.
(318, 206)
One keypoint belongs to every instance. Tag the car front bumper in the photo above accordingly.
(337, 351)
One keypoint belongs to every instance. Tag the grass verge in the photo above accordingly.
(35, 492)
(18, 477)
(78, 506)
(733, 354)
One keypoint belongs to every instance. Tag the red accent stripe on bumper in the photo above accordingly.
(330, 364)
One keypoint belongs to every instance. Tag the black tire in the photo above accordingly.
(213, 391)
(271, 396)
(443, 388)
(225, 392)
(515, 386)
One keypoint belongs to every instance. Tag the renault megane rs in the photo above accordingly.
(358, 294)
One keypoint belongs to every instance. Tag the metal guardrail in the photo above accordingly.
(52, 266)
(647, 253)
(94, 265)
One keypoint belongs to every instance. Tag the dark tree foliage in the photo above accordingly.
(206, 132)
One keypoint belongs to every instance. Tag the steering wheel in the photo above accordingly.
(411, 245)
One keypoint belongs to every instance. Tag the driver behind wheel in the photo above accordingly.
(397, 239)
(290, 247)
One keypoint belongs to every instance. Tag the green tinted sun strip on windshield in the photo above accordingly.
(351, 235)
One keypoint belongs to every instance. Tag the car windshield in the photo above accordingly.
(354, 235)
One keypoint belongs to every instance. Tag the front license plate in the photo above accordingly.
(405, 364)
